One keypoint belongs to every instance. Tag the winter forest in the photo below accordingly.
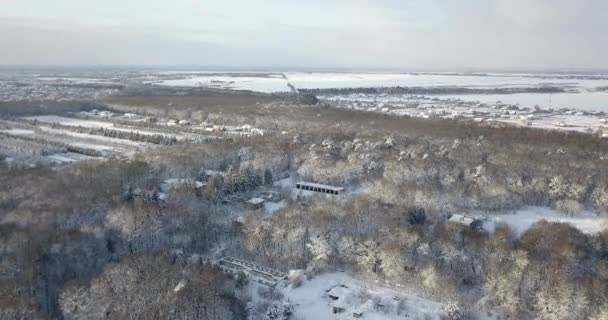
(431, 218)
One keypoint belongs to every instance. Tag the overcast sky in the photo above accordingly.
(398, 34)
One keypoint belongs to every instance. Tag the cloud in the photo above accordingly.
(406, 34)
(551, 13)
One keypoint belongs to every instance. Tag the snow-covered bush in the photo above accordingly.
(296, 277)
(452, 311)
(430, 279)
(278, 311)
(601, 314)
(270, 293)
(321, 252)
(569, 207)
(600, 199)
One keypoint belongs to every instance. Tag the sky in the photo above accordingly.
(355, 34)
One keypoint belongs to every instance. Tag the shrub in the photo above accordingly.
(569, 207)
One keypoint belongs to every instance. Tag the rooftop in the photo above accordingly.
(318, 185)
(255, 200)
(462, 219)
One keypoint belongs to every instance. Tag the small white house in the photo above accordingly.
(255, 203)
(465, 221)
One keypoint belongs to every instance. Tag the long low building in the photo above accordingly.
(321, 188)
(259, 274)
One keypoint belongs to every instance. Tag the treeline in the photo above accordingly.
(162, 139)
(154, 286)
(12, 109)
(68, 233)
(432, 90)
(235, 180)
(136, 136)
(552, 271)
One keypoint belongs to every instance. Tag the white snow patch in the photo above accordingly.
(18, 132)
(72, 122)
(522, 220)
(272, 207)
(68, 157)
(268, 84)
(92, 137)
(96, 147)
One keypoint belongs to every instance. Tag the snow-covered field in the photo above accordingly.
(17, 132)
(377, 80)
(521, 220)
(72, 122)
(101, 140)
(267, 84)
(312, 301)
(68, 157)
(278, 82)
(583, 91)
(586, 100)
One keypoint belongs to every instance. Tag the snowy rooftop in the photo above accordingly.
(462, 219)
(255, 200)
(213, 173)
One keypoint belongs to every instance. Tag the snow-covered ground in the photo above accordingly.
(586, 100)
(267, 84)
(272, 207)
(521, 220)
(312, 302)
(100, 139)
(377, 80)
(68, 157)
(92, 146)
(18, 132)
(72, 122)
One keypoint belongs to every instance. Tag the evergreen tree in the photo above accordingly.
(268, 179)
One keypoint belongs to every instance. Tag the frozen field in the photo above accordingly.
(378, 80)
(587, 100)
(266, 84)
(582, 92)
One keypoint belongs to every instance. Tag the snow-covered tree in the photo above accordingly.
(368, 257)
(503, 279)
(452, 311)
(321, 252)
(391, 262)
(278, 311)
(558, 187)
(601, 313)
(268, 179)
(347, 249)
(74, 302)
(600, 199)
(557, 300)
(430, 279)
